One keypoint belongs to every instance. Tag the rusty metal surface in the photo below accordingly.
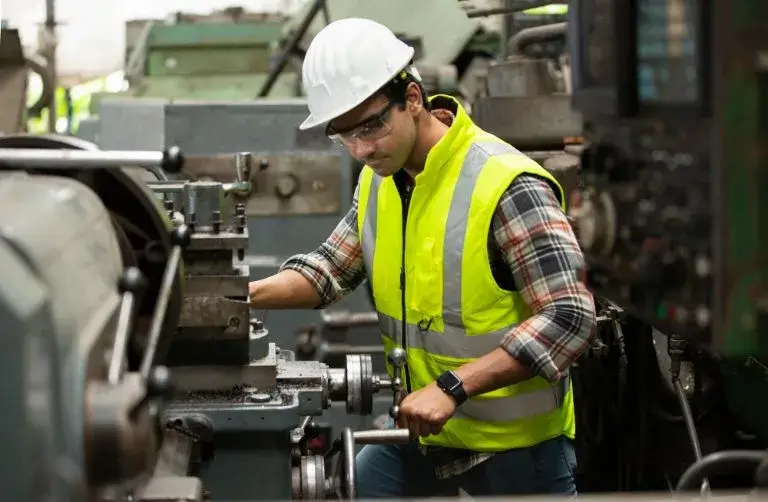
(216, 285)
(297, 183)
(225, 317)
(529, 122)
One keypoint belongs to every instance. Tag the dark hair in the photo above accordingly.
(394, 90)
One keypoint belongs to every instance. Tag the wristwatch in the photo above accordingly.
(450, 383)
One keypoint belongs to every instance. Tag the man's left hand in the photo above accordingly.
(425, 411)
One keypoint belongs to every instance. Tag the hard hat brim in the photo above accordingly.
(311, 121)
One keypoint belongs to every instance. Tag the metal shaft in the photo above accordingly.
(82, 159)
(383, 436)
(163, 297)
(121, 338)
(348, 452)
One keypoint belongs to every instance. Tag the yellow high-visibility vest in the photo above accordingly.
(451, 310)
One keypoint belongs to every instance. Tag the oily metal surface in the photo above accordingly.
(295, 183)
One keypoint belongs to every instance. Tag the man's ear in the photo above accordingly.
(413, 99)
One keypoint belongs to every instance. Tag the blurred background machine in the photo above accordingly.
(15, 68)
(104, 398)
(673, 94)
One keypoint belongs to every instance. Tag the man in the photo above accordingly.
(474, 270)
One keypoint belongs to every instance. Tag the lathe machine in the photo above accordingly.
(106, 286)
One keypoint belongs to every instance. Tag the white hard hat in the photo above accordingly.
(346, 63)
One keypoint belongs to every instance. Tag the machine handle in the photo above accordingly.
(131, 285)
(179, 238)
(347, 457)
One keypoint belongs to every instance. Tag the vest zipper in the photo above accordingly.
(404, 324)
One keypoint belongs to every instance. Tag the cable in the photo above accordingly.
(721, 462)
(676, 349)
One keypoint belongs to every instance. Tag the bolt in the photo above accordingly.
(258, 397)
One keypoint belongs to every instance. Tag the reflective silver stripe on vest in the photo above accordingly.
(490, 410)
(456, 225)
(507, 409)
(369, 225)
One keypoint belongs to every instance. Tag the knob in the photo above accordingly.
(180, 236)
(397, 356)
(132, 281)
(312, 430)
(173, 160)
(287, 186)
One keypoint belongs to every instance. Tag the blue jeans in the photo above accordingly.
(402, 471)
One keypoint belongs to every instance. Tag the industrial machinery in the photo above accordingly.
(673, 96)
(14, 74)
(224, 55)
(525, 98)
(101, 312)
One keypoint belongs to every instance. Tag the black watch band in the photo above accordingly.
(452, 385)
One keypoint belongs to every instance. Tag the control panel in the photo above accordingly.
(669, 210)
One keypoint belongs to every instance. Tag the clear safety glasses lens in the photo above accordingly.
(370, 131)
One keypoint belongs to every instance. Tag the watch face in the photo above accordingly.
(450, 381)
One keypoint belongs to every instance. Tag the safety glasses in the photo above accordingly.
(370, 129)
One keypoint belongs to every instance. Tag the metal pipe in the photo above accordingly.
(348, 452)
(290, 48)
(121, 337)
(382, 436)
(340, 349)
(346, 319)
(720, 462)
(512, 7)
(534, 33)
(181, 236)
(170, 160)
(690, 426)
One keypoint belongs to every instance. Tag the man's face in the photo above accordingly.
(379, 133)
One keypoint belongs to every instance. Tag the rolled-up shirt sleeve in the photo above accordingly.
(335, 268)
(539, 246)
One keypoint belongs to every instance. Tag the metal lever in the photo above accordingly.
(243, 168)
(179, 238)
(397, 360)
(346, 470)
(171, 159)
(131, 285)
